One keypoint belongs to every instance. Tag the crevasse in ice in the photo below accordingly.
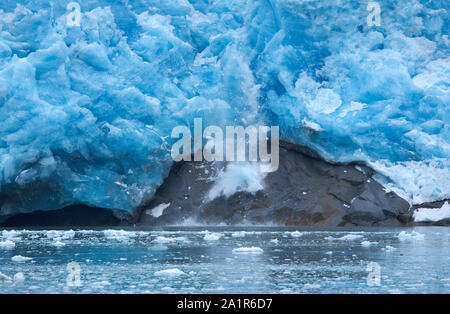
(86, 111)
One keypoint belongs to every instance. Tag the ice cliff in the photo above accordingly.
(86, 111)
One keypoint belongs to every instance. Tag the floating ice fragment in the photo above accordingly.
(248, 250)
(19, 277)
(11, 234)
(20, 258)
(7, 245)
(172, 272)
(3, 277)
(68, 235)
(311, 286)
(405, 236)
(348, 237)
(164, 240)
(212, 236)
(368, 243)
(296, 234)
(58, 244)
(239, 234)
(120, 235)
(51, 234)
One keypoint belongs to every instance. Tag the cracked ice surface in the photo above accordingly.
(86, 112)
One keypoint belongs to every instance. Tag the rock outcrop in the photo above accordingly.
(70, 216)
(304, 191)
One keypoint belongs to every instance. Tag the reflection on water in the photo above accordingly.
(205, 260)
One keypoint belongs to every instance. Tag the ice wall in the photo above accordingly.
(86, 111)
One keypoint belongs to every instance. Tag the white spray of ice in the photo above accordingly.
(237, 177)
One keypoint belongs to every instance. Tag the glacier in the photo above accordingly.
(86, 111)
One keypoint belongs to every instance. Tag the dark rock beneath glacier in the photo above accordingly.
(304, 191)
(436, 204)
(70, 216)
(443, 222)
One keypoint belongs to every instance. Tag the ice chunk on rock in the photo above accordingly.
(158, 210)
(432, 214)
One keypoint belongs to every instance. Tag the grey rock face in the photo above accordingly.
(70, 216)
(305, 190)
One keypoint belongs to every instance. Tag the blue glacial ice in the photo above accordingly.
(86, 111)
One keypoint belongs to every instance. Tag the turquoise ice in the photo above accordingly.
(86, 111)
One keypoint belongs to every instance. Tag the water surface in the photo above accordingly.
(205, 260)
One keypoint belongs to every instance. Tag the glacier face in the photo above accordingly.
(86, 111)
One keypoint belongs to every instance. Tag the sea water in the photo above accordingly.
(226, 260)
